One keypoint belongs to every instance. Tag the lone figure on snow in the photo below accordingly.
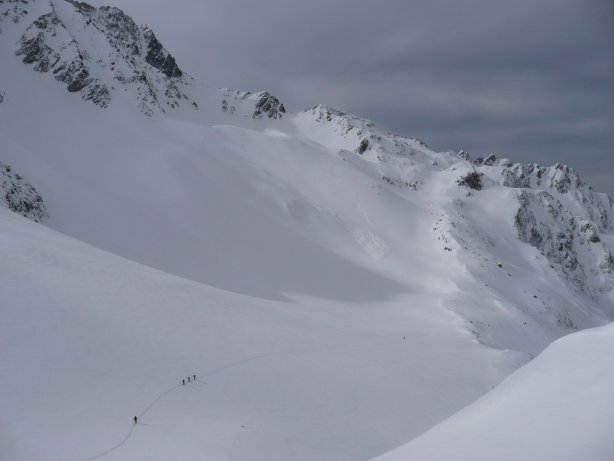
(183, 382)
(188, 379)
(136, 420)
(194, 376)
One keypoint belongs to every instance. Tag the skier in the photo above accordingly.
(188, 379)
(183, 382)
(136, 420)
(194, 376)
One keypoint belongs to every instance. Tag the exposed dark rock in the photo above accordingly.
(33, 47)
(478, 161)
(590, 232)
(136, 59)
(545, 224)
(120, 30)
(472, 180)
(490, 160)
(74, 72)
(268, 105)
(517, 175)
(2, 95)
(82, 6)
(564, 178)
(461, 154)
(20, 196)
(158, 57)
(363, 146)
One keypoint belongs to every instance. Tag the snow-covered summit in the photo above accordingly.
(97, 52)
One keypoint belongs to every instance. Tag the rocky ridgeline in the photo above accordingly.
(558, 214)
(571, 243)
(96, 52)
(402, 161)
(20, 196)
(255, 105)
(558, 179)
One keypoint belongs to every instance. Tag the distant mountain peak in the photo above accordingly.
(96, 50)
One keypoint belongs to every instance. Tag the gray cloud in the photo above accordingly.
(528, 80)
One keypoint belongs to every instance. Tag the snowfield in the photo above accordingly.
(337, 290)
(559, 406)
(88, 340)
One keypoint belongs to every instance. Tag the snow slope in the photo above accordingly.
(557, 407)
(88, 339)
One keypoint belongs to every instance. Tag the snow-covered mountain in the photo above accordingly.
(343, 288)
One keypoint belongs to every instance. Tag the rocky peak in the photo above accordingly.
(119, 54)
(253, 105)
(562, 178)
(462, 154)
(268, 105)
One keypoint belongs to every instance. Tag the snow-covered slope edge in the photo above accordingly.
(557, 407)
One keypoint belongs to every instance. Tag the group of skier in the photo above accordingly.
(190, 379)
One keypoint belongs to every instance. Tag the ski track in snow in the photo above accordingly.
(219, 370)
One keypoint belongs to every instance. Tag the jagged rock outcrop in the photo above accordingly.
(158, 57)
(20, 196)
(570, 243)
(253, 105)
(268, 105)
(555, 179)
(490, 160)
(74, 72)
(558, 177)
(461, 154)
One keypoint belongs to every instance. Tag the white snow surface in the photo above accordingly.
(334, 289)
(88, 339)
(557, 407)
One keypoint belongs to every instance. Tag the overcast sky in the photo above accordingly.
(531, 80)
